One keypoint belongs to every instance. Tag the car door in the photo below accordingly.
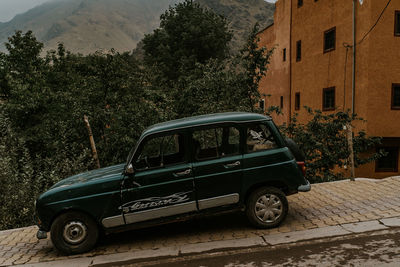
(217, 166)
(265, 159)
(162, 184)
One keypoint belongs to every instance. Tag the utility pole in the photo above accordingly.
(349, 126)
(354, 60)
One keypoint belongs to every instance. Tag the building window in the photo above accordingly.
(330, 40)
(298, 50)
(395, 96)
(297, 101)
(388, 163)
(284, 54)
(299, 3)
(261, 104)
(281, 102)
(328, 99)
(397, 23)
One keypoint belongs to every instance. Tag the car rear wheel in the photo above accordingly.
(74, 232)
(266, 207)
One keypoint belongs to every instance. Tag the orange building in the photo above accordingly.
(313, 66)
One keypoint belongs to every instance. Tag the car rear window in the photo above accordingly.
(259, 138)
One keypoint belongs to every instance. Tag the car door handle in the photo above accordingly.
(180, 174)
(232, 165)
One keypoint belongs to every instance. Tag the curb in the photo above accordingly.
(267, 240)
(215, 246)
(5, 232)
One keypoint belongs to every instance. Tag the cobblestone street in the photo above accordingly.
(327, 204)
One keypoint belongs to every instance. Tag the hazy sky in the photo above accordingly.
(10, 8)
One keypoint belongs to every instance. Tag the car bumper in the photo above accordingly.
(304, 187)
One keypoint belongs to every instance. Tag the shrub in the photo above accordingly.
(323, 140)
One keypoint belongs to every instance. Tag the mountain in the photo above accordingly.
(85, 26)
(242, 15)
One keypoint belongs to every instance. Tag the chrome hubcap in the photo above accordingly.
(268, 208)
(74, 232)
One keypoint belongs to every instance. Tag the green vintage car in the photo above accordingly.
(179, 169)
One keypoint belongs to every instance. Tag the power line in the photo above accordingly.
(370, 30)
(373, 26)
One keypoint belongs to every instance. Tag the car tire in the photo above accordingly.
(266, 207)
(74, 232)
(294, 148)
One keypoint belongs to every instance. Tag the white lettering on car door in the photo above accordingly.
(155, 202)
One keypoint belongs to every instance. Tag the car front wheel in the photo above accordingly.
(266, 207)
(74, 232)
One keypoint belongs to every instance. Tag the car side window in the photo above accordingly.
(215, 142)
(161, 151)
(259, 138)
(233, 141)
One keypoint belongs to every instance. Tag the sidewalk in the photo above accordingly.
(335, 208)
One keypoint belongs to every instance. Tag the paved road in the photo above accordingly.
(380, 248)
(327, 204)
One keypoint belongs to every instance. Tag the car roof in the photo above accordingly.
(204, 120)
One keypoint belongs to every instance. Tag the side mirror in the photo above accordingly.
(129, 169)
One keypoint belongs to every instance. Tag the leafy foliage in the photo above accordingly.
(219, 85)
(44, 103)
(17, 190)
(188, 35)
(323, 140)
(254, 63)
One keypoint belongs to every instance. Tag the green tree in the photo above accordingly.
(24, 58)
(23, 85)
(254, 61)
(5, 88)
(17, 189)
(188, 35)
(120, 104)
(43, 115)
(228, 85)
(111, 90)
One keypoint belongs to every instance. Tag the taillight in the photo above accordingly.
(302, 166)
